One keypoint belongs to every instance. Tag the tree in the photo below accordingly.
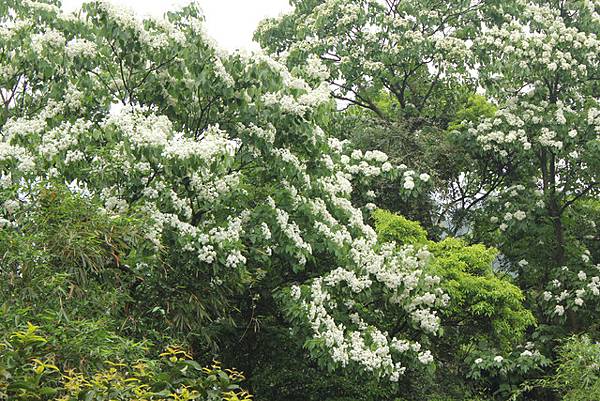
(414, 50)
(485, 317)
(241, 192)
(545, 132)
(528, 147)
(515, 153)
(410, 66)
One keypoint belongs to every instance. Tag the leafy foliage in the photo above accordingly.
(485, 312)
(392, 227)
(29, 371)
(578, 373)
(155, 190)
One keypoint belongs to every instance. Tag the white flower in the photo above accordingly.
(578, 301)
(409, 184)
(523, 263)
(498, 359)
(494, 219)
(519, 215)
(11, 206)
(559, 310)
(478, 361)
(503, 227)
(266, 232)
(425, 357)
(80, 47)
(234, 259)
(315, 68)
(527, 353)
(295, 292)
(424, 177)
(563, 295)
(581, 275)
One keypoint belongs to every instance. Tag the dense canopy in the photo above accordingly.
(164, 203)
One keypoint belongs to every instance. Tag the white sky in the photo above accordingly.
(230, 22)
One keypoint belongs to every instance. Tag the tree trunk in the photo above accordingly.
(556, 216)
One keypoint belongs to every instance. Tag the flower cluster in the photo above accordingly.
(572, 289)
(358, 341)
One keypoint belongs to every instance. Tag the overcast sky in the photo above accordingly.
(230, 22)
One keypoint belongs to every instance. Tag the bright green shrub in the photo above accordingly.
(393, 227)
(475, 107)
(483, 306)
(29, 370)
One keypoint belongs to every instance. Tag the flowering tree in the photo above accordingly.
(224, 158)
(411, 65)
(546, 134)
(413, 49)
(506, 96)
(523, 161)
